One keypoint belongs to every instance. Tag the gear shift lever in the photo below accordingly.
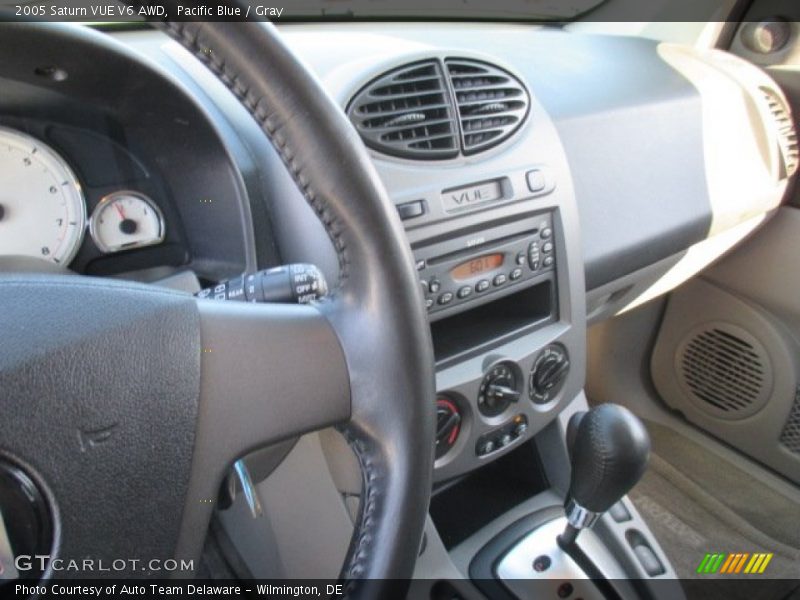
(609, 448)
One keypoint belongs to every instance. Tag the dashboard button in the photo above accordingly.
(486, 448)
(482, 285)
(424, 286)
(445, 298)
(547, 248)
(409, 210)
(515, 274)
(548, 261)
(434, 286)
(465, 291)
(536, 181)
(547, 233)
(421, 264)
(521, 258)
(428, 302)
(499, 280)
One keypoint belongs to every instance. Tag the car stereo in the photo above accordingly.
(471, 265)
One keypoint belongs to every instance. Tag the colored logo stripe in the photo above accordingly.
(711, 563)
(735, 563)
(758, 563)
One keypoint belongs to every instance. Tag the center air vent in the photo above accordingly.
(785, 130)
(725, 370)
(491, 103)
(407, 112)
(434, 110)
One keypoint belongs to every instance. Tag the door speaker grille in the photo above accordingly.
(790, 436)
(725, 371)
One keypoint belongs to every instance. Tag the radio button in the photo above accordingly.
(499, 280)
(521, 258)
(548, 261)
(515, 274)
(465, 291)
(547, 248)
(445, 298)
(482, 285)
(547, 233)
(434, 286)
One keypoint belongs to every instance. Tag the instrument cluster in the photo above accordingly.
(45, 212)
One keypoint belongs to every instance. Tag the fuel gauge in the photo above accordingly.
(125, 220)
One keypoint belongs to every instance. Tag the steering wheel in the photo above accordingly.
(128, 404)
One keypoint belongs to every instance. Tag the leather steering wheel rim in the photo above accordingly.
(391, 428)
(63, 421)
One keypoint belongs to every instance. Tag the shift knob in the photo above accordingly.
(609, 449)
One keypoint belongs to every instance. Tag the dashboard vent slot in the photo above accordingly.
(491, 103)
(407, 112)
(724, 372)
(785, 129)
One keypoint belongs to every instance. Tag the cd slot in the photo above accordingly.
(488, 245)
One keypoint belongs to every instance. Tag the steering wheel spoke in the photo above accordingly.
(268, 372)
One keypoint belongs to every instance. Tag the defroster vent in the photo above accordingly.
(436, 110)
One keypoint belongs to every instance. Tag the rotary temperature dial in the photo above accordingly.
(548, 374)
(448, 425)
(499, 388)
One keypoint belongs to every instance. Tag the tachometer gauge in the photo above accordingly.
(42, 209)
(124, 220)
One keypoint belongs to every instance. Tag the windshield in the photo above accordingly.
(304, 10)
(523, 10)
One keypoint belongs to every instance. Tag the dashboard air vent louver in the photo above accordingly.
(491, 103)
(407, 112)
(785, 129)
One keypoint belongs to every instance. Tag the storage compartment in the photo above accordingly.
(493, 323)
(461, 508)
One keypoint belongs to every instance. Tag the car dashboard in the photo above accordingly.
(528, 165)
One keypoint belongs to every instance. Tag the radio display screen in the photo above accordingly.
(477, 266)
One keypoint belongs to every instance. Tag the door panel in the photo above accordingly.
(728, 351)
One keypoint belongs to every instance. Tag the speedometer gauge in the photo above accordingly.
(125, 220)
(42, 209)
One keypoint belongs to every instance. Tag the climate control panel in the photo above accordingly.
(502, 437)
(511, 400)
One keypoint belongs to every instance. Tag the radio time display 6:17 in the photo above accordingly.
(477, 266)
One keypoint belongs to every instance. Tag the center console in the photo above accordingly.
(483, 189)
(496, 241)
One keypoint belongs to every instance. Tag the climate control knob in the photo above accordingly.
(499, 388)
(448, 425)
(548, 374)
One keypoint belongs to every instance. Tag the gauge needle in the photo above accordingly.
(121, 211)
